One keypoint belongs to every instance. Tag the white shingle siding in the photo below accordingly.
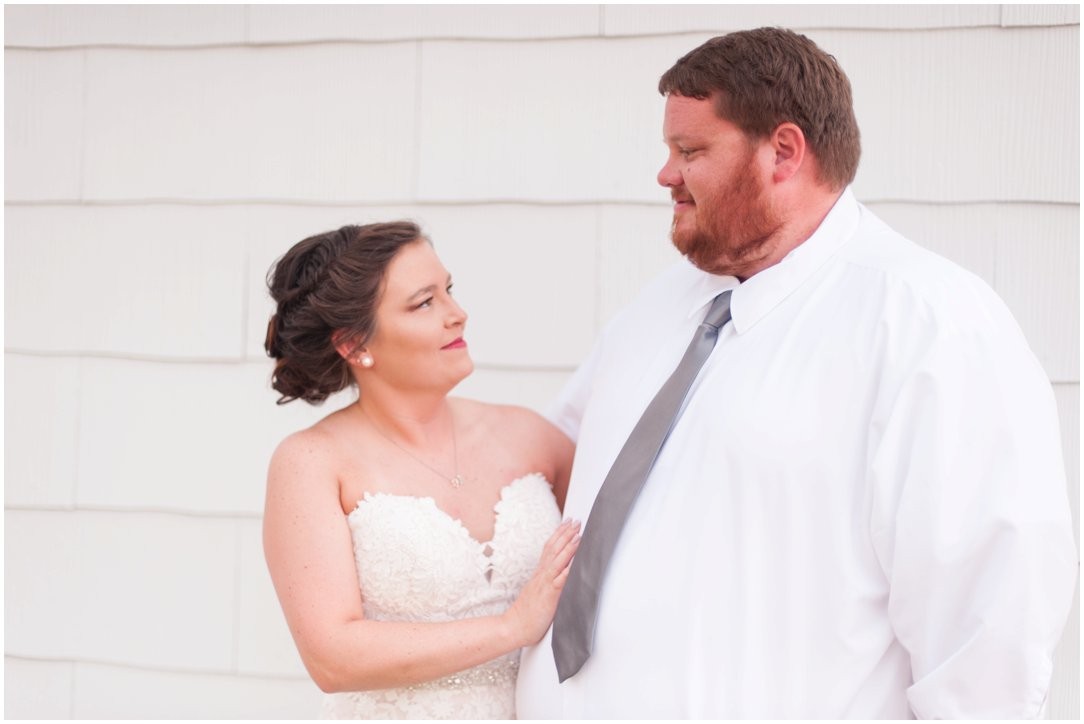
(159, 159)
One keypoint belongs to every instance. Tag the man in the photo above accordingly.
(860, 510)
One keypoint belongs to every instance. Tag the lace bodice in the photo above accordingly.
(416, 563)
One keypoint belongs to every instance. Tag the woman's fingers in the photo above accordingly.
(562, 577)
(559, 539)
(564, 556)
(561, 546)
(562, 534)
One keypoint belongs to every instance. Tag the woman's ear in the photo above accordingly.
(347, 346)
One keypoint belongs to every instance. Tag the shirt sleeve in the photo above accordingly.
(971, 523)
(567, 410)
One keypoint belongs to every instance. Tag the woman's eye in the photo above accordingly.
(425, 303)
(449, 289)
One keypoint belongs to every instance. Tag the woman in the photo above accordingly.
(406, 534)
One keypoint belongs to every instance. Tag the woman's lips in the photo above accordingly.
(456, 343)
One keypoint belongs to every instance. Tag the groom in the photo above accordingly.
(858, 508)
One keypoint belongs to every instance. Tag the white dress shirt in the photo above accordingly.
(861, 512)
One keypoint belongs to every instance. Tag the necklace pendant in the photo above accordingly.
(457, 481)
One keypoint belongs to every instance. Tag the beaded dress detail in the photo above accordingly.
(416, 563)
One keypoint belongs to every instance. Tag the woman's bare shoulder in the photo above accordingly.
(491, 414)
(312, 451)
(511, 424)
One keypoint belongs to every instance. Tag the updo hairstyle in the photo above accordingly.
(326, 286)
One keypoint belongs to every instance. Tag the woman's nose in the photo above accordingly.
(457, 316)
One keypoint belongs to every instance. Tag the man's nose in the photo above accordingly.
(669, 176)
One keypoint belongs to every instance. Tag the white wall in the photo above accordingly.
(159, 158)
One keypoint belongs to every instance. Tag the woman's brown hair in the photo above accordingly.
(327, 288)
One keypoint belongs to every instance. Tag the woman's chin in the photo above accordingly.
(468, 369)
(461, 372)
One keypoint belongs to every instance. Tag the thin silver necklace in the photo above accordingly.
(456, 480)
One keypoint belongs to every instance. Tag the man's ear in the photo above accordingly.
(788, 142)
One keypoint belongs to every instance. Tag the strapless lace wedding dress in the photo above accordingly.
(416, 563)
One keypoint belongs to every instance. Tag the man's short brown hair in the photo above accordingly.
(762, 78)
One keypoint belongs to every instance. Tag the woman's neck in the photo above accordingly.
(416, 420)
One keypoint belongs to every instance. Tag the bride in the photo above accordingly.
(414, 540)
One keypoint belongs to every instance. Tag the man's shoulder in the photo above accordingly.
(905, 264)
(880, 247)
(910, 274)
(656, 306)
(668, 288)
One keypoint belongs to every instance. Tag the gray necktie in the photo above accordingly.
(577, 611)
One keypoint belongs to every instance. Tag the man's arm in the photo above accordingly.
(972, 526)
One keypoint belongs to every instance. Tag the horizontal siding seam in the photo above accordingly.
(225, 516)
(602, 35)
(157, 669)
(468, 203)
(249, 360)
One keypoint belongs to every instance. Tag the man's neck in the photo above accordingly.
(806, 216)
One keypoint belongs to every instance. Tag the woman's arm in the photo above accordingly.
(310, 556)
(561, 451)
(547, 445)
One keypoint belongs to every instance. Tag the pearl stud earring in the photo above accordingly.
(365, 360)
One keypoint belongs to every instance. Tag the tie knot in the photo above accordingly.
(719, 313)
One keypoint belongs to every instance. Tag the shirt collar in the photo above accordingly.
(761, 293)
(705, 288)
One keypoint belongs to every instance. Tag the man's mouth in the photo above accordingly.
(682, 200)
